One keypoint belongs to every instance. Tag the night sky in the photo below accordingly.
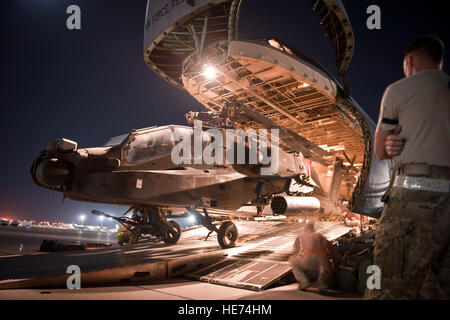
(91, 84)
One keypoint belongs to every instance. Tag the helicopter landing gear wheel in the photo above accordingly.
(227, 235)
(174, 233)
(123, 239)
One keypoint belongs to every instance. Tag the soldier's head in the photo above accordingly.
(309, 227)
(423, 53)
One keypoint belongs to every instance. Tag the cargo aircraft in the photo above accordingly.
(319, 140)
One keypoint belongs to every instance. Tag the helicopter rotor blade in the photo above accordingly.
(292, 139)
(102, 214)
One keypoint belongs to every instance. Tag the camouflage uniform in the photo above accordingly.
(412, 246)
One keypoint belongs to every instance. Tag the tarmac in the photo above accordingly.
(174, 289)
(157, 271)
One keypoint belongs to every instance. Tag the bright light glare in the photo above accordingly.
(101, 218)
(209, 72)
(192, 219)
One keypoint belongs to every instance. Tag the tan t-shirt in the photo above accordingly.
(420, 104)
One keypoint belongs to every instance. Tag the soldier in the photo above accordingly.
(412, 241)
(311, 254)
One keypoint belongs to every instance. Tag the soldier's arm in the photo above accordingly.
(394, 143)
(388, 142)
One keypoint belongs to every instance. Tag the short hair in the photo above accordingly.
(310, 226)
(428, 45)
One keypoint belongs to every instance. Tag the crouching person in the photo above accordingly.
(312, 252)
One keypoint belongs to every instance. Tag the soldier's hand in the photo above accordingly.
(394, 143)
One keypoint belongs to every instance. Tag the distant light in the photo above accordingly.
(192, 219)
(209, 72)
(305, 85)
(101, 218)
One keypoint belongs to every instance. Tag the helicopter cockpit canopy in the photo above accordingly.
(147, 146)
(115, 141)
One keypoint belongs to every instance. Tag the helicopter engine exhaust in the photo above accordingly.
(292, 206)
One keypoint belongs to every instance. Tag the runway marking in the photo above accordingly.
(135, 251)
(92, 253)
(12, 280)
(163, 292)
(142, 247)
(12, 255)
(24, 255)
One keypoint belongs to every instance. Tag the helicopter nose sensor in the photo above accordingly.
(51, 172)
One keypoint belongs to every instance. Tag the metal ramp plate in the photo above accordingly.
(250, 275)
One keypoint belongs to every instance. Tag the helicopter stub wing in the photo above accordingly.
(294, 140)
(231, 213)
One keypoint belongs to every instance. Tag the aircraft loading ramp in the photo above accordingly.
(257, 261)
(262, 261)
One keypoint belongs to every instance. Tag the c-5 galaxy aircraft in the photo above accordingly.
(325, 157)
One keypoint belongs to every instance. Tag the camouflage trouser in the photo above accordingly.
(412, 246)
(317, 263)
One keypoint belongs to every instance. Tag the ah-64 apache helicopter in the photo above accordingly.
(323, 152)
(137, 169)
